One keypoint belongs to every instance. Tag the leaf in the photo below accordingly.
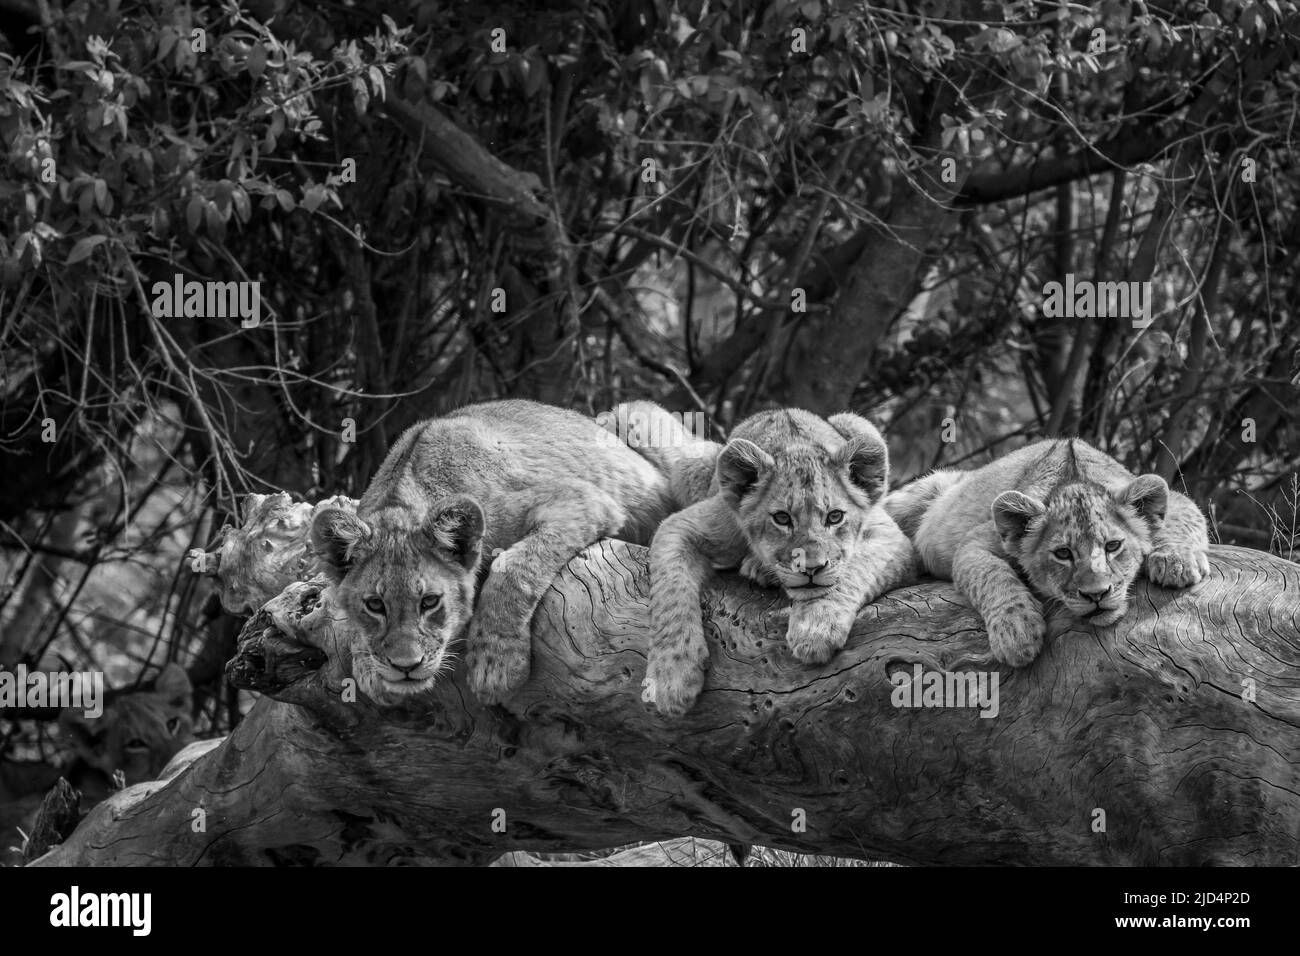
(215, 223)
(166, 40)
(997, 39)
(257, 60)
(194, 214)
(518, 71)
(313, 196)
(536, 78)
(239, 199)
(84, 248)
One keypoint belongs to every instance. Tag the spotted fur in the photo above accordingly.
(1064, 517)
(792, 503)
(516, 486)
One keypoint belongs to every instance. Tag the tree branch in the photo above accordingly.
(512, 192)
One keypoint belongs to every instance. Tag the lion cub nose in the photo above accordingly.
(405, 662)
(1094, 596)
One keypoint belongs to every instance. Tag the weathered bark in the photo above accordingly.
(56, 819)
(683, 851)
(1145, 721)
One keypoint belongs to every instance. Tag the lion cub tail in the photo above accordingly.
(678, 445)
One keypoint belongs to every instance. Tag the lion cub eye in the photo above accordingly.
(374, 605)
(1113, 546)
(1063, 554)
(782, 518)
(430, 602)
(834, 517)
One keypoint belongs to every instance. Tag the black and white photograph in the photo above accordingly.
(651, 434)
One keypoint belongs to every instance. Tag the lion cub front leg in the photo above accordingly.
(1179, 555)
(685, 549)
(1012, 615)
(499, 642)
(819, 626)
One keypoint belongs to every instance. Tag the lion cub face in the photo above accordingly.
(802, 511)
(1083, 546)
(404, 586)
(139, 731)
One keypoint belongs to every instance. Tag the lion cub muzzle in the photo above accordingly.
(408, 666)
(809, 570)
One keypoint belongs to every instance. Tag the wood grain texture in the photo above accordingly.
(1145, 721)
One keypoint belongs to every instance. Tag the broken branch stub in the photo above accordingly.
(270, 549)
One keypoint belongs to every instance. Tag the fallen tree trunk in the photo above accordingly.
(1171, 738)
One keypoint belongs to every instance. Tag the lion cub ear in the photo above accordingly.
(174, 684)
(1012, 512)
(335, 534)
(455, 530)
(740, 465)
(1148, 495)
(865, 457)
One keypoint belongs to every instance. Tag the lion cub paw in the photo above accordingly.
(758, 572)
(1016, 635)
(498, 664)
(816, 632)
(672, 686)
(1177, 567)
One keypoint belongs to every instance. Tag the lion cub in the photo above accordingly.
(529, 484)
(138, 733)
(1077, 523)
(792, 502)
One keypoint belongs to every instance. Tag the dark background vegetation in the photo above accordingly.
(774, 170)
